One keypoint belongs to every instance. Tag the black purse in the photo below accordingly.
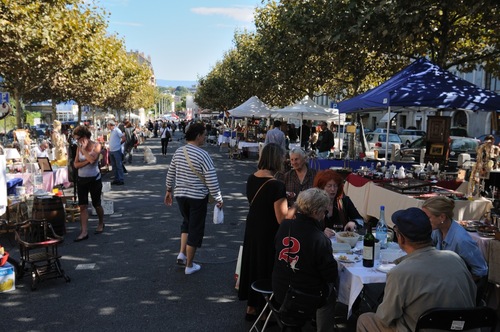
(297, 302)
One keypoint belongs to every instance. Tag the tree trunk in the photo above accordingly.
(54, 110)
(19, 111)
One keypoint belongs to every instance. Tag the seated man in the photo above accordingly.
(304, 257)
(42, 150)
(424, 279)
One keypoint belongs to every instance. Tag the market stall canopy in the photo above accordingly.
(423, 84)
(253, 107)
(306, 109)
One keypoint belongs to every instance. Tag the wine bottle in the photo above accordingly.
(369, 248)
(381, 231)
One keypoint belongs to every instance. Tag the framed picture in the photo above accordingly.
(437, 149)
(44, 164)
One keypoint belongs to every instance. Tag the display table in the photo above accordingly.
(320, 164)
(482, 243)
(251, 146)
(367, 196)
(58, 176)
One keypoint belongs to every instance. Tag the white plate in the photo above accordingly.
(347, 258)
(385, 267)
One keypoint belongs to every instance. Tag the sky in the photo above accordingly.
(185, 38)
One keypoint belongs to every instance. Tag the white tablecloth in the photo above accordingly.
(353, 277)
(369, 197)
(251, 146)
(482, 243)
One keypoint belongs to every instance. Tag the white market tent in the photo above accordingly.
(253, 107)
(307, 109)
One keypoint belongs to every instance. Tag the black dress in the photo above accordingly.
(260, 230)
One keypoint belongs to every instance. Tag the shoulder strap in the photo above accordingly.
(259, 190)
(191, 166)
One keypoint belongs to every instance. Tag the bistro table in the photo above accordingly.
(353, 277)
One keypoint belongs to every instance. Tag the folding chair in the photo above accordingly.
(457, 319)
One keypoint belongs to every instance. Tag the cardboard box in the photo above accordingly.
(7, 278)
(107, 206)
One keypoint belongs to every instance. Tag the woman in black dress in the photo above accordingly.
(268, 208)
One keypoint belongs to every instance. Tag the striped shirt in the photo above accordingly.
(185, 182)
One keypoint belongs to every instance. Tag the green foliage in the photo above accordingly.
(344, 48)
(60, 50)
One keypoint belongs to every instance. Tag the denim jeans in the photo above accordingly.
(117, 164)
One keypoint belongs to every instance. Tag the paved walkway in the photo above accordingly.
(126, 279)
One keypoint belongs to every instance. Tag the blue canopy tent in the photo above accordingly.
(423, 84)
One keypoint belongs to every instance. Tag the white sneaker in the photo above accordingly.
(193, 269)
(181, 259)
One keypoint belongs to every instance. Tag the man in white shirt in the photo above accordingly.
(42, 150)
(116, 138)
(275, 135)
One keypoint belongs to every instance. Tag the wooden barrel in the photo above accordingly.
(52, 210)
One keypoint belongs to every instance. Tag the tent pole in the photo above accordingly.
(387, 134)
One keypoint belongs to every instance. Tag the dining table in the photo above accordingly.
(354, 277)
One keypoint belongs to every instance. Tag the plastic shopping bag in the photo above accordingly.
(237, 272)
(218, 215)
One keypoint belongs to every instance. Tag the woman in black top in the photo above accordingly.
(341, 214)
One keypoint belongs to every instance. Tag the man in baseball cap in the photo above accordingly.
(425, 278)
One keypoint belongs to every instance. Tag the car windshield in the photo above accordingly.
(419, 143)
(463, 144)
(392, 138)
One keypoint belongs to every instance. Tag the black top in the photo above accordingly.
(325, 141)
(349, 213)
(310, 255)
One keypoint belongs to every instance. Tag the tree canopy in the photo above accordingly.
(343, 48)
(58, 50)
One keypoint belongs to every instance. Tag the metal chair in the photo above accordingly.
(457, 319)
(38, 246)
(264, 287)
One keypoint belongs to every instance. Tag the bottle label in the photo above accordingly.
(368, 253)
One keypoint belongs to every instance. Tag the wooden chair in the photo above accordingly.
(38, 246)
(457, 319)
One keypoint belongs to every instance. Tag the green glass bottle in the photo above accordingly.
(369, 248)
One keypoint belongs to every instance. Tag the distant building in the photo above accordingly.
(142, 59)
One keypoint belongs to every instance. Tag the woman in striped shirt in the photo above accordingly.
(191, 177)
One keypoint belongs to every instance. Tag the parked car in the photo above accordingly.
(458, 145)
(377, 141)
(384, 130)
(408, 136)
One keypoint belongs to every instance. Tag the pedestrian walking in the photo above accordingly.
(192, 178)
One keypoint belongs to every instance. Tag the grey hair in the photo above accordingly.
(312, 200)
(298, 151)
